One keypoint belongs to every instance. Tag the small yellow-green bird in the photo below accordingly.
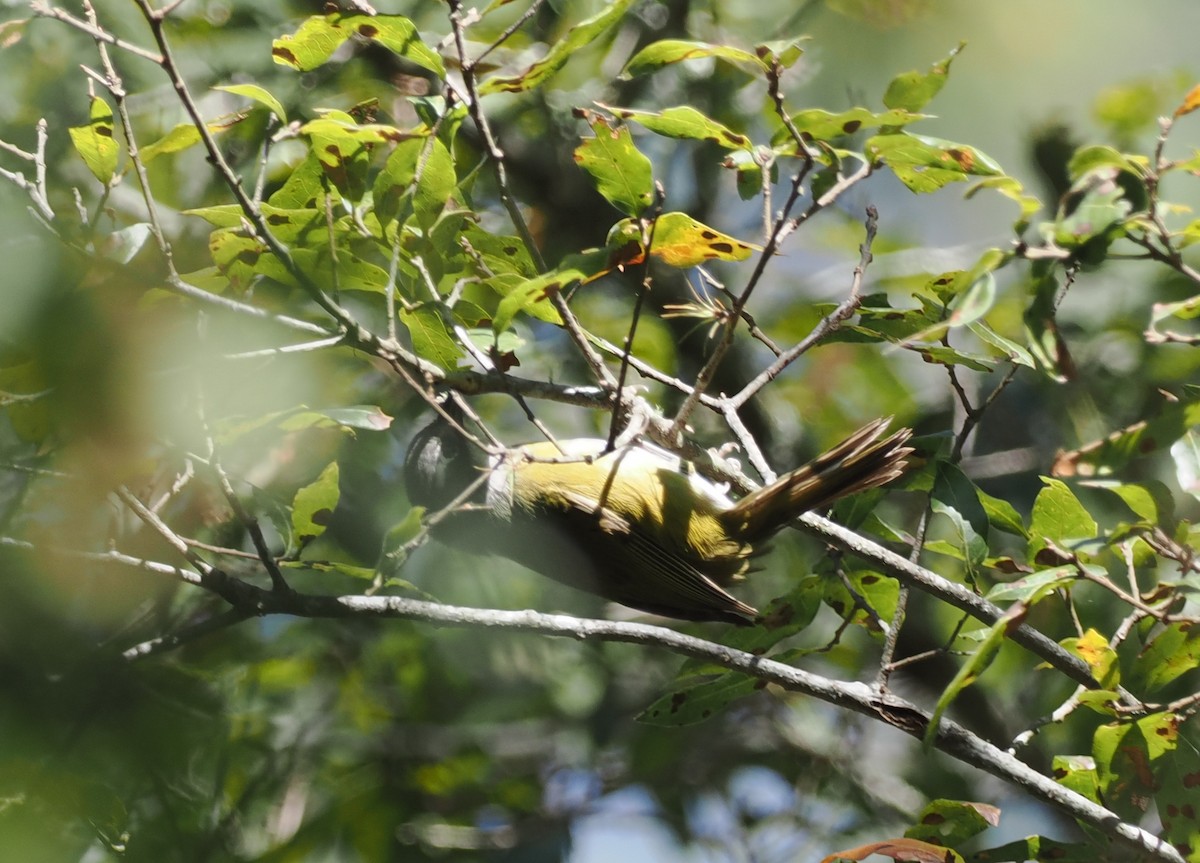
(634, 525)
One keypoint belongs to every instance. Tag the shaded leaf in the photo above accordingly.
(313, 505)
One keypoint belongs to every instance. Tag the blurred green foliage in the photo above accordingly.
(361, 739)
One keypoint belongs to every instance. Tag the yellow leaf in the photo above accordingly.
(681, 241)
(1190, 102)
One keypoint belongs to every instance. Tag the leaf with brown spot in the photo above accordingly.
(681, 241)
(94, 142)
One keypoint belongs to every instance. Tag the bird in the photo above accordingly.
(633, 524)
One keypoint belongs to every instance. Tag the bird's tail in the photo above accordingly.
(860, 462)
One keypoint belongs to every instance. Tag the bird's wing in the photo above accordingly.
(646, 574)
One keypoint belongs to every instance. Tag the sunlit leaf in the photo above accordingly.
(912, 91)
(621, 173)
(259, 95)
(685, 122)
(667, 51)
(96, 142)
(925, 164)
(319, 36)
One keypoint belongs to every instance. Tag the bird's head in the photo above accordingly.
(439, 465)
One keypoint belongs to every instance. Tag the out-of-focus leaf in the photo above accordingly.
(560, 52)
(621, 173)
(697, 699)
(1190, 102)
(313, 505)
(22, 397)
(1186, 453)
(666, 51)
(912, 91)
(1037, 848)
(901, 850)
(259, 95)
(952, 822)
(96, 142)
(1010, 349)
(1111, 454)
(302, 417)
(1172, 652)
(319, 36)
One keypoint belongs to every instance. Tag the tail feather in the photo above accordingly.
(860, 462)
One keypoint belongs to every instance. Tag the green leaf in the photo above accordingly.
(687, 123)
(1152, 502)
(430, 337)
(879, 592)
(302, 417)
(96, 142)
(926, 164)
(949, 823)
(1172, 421)
(698, 698)
(1001, 514)
(785, 52)
(1008, 348)
(1038, 848)
(1172, 652)
(955, 497)
(560, 52)
(22, 396)
(313, 505)
(1085, 160)
(1129, 757)
(823, 125)
(1059, 517)
(288, 225)
(1186, 453)
(664, 52)
(422, 169)
(912, 91)
(1033, 588)
(319, 36)
(532, 296)
(620, 172)
(1096, 209)
(259, 95)
(997, 634)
